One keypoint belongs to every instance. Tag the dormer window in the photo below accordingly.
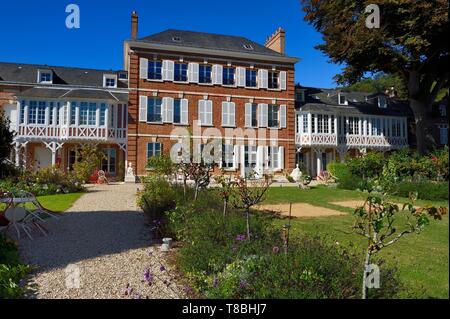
(123, 76)
(110, 80)
(248, 47)
(300, 96)
(176, 39)
(342, 99)
(45, 76)
(382, 103)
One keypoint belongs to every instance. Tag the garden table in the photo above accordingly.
(19, 215)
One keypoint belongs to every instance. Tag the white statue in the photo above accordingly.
(296, 174)
(129, 176)
(130, 169)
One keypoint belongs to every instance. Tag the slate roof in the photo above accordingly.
(71, 76)
(359, 103)
(208, 41)
(52, 93)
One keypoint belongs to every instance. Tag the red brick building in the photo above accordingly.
(225, 89)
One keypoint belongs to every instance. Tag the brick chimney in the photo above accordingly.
(134, 25)
(276, 41)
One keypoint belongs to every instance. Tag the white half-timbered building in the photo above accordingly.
(55, 110)
(332, 125)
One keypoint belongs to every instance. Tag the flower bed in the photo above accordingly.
(48, 181)
(220, 261)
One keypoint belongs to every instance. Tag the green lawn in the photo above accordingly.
(59, 203)
(56, 203)
(423, 260)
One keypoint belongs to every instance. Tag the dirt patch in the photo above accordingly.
(353, 204)
(301, 210)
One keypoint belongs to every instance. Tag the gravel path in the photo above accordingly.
(103, 238)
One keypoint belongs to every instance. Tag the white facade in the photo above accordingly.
(328, 134)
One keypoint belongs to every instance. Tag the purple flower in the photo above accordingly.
(148, 277)
(240, 238)
(150, 252)
(243, 284)
(137, 296)
(276, 250)
(162, 268)
(215, 282)
(128, 290)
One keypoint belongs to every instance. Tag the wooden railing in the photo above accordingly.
(350, 141)
(72, 132)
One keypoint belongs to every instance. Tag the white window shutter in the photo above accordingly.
(168, 70)
(281, 157)
(263, 79)
(240, 76)
(263, 115)
(209, 110)
(184, 111)
(283, 80)
(282, 116)
(232, 113)
(217, 74)
(225, 114)
(143, 68)
(201, 111)
(142, 108)
(248, 114)
(167, 110)
(193, 70)
(236, 156)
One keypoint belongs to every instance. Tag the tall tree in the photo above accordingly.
(412, 42)
(380, 83)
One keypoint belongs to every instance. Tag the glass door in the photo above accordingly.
(109, 162)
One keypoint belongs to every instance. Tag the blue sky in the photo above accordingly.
(35, 31)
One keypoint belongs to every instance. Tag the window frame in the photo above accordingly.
(180, 65)
(200, 74)
(154, 68)
(247, 71)
(228, 68)
(152, 98)
(270, 113)
(270, 78)
(44, 72)
(110, 77)
(155, 151)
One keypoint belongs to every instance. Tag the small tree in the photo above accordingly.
(250, 193)
(200, 173)
(90, 159)
(226, 189)
(375, 220)
(161, 165)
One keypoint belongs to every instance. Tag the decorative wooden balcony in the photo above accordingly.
(66, 133)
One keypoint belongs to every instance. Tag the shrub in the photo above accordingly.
(90, 159)
(312, 269)
(368, 166)
(161, 165)
(47, 181)
(12, 272)
(157, 198)
(344, 177)
(426, 190)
